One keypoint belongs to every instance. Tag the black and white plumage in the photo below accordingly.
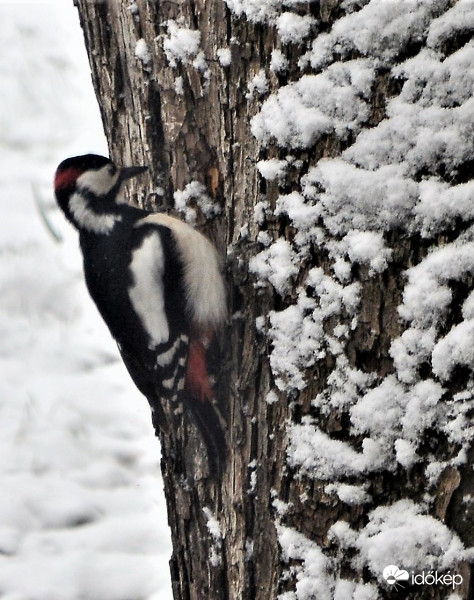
(155, 280)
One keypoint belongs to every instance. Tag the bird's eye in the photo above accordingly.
(112, 169)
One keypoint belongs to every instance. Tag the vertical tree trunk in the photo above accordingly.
(184, 104)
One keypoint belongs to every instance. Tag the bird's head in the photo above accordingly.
(90, 184)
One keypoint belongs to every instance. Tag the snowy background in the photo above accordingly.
(82, 514)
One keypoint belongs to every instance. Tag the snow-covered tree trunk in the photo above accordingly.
(327, 149)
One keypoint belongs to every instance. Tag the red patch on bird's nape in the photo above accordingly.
(65, 179)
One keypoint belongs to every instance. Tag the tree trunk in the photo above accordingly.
(330, 460)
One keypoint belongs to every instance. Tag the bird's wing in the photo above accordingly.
(157, 302)
(147, 291)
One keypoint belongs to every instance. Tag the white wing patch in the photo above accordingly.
(147, 292)
(205, 291)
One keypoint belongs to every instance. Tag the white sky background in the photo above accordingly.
(82, 513)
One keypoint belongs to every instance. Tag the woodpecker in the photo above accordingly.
(156, 282)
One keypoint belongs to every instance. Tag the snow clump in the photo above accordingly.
(402, 534)
(224, 56)
(195, 195)
(142, 52)
(181, 44)
(272, 169)
(316, 105)
(292, 28)
(315, 572)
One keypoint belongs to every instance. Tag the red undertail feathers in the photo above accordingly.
(197, 379)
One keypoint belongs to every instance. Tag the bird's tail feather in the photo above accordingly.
(212, 429)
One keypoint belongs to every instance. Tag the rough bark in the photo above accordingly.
(204, 135)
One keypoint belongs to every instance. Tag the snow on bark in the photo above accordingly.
(399, 169)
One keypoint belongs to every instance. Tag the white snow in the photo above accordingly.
(403, 534)
(360, 199)
(195, 195)
(458, 19)
(297, 333)
(367, 247)
(321, 457)
(278, 63)
(272, 169)
(256, 11)
(346, 204)
(82, 513)
(179, 86)
(224, 56)
(181, 44)
(302, 214)
(293, 28)
(344, 386)
(271, 397)
(214, 529)
(258, 84)
(277, 264)
(297, 343)
(315, 572)
(259, 211)
(315, 105)
(406, 174)
(200, 64)
(263, 237)
(133, 8)
(383, 28)
(142, 52)
(349, 494)
(440, 204)
(212, 524)
(455, 348)
(313, 577)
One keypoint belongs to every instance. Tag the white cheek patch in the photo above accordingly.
(88, 219)
(99, 181)
(147, 291)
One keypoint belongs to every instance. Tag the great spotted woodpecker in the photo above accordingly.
(155, 280)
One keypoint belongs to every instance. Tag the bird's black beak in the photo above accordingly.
(129, 172)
